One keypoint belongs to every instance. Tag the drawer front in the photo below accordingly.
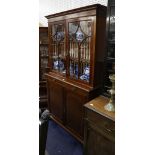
(104, 124)
(96, 143)
(70, 87)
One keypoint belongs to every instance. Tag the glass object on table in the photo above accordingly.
(110, 106)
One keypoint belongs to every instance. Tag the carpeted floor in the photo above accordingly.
(59, 142)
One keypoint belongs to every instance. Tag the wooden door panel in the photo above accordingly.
(98, 144)
(56, 101)
(74, 111)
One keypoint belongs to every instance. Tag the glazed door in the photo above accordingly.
(56, 99)
(79, 48)
(57, 49)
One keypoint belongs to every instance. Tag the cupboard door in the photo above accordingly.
(57, 47)
(56, 101)
(79, 44)
(74, 111)
(97, 143)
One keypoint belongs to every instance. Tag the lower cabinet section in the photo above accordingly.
(56, 106)
(65, 102)
(74, 111)
(99, 129)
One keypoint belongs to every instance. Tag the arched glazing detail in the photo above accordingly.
(79, 49)
(58, 48)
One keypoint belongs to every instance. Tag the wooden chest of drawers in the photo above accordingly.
(99, 128)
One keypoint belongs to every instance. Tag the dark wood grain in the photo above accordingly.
(56, 100)
(74, 110)
(99, 128)
(66, 100)
(77, 10)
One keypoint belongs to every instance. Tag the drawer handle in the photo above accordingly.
(53, 80)
(109, 130)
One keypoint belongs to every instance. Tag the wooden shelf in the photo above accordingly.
(99, 128)
(111, 42)
(43, 47)
(44, 56)
(44, 44)
(42, 82)
(43, 97)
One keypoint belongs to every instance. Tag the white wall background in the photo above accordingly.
(47, 7)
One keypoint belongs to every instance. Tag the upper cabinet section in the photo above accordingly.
(77, 44)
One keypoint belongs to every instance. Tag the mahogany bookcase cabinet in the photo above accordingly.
(76, 60)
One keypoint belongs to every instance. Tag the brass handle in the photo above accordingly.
(109, 130)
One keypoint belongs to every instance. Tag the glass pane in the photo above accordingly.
(79, 49)
(85, 60)
(58, 48)
(86, 27)
(73, 29)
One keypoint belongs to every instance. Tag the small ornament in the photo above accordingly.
(79, 35)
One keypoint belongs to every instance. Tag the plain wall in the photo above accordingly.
(47, 7)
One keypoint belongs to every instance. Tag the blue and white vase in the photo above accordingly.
(59, 36)
(79, 36)
(58, 65)
(86, 74)
(61, 65)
